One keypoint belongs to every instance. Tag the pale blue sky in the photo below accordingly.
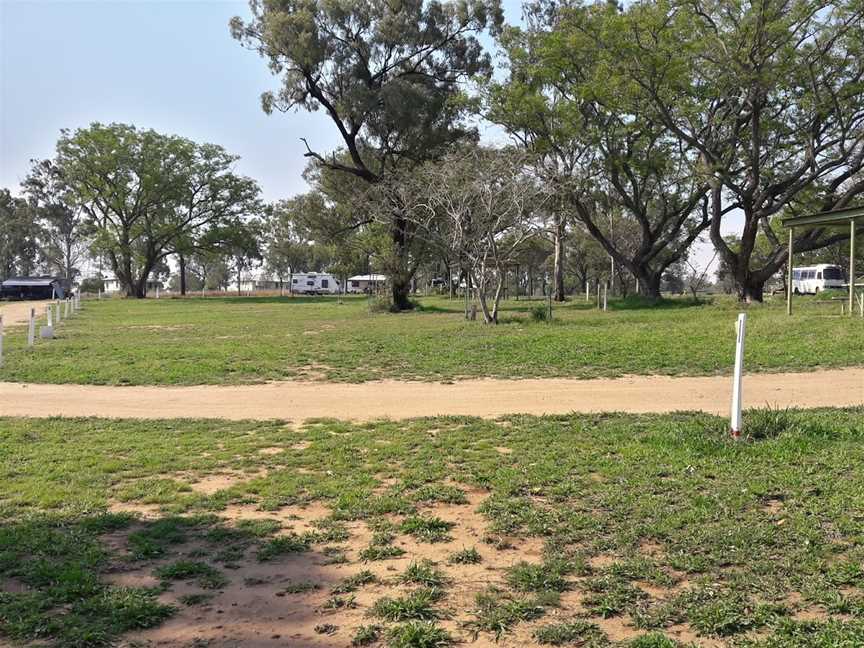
(170, 65)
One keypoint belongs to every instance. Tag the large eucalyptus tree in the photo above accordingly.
(390, 76)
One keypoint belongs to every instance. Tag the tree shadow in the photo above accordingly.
(93, 579)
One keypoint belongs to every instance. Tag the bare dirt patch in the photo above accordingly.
(303, 400)
(18, 312)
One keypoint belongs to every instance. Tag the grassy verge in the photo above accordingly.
(657, 528)
(237, 340)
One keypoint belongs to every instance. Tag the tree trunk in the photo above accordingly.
(182, 263)
(400, 280)
(649, 284)
(751, 290)
(558, 294)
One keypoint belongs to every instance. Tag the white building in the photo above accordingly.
(368, 283)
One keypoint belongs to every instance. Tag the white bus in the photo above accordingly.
(315, 283)
(814, 279)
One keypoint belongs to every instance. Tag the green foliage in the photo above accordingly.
(424, 573)
(577, 632)
(419, 605)
(366, 635)
(203, 574)
(163, 189)
(352, 583)
(427, 529)
(418, 634)
(282, 545)
(539, 313)
(468, 556)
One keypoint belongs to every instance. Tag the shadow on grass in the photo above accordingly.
(54, 567)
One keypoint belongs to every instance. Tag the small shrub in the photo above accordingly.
(496, 612)
(203, 574)
(539, 313)
(767, 423)
(465, 557)
(282, 545)
(376, 552)
(423, 573)
(427, 529)
(351, 583)
(418, 605)
(548, 576)
(418, 634)
(366, 635)
(573, 632)
(340, 603)
(299, 587)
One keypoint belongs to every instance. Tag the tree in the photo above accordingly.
(144, 191)
(64, 234)
(289, 245)
(240, 242)
(600, 148)
(480, 204)
(388, 75)
(769, 93)
(19, 236)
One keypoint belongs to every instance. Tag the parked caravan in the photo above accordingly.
(315, 283)
(815, 279)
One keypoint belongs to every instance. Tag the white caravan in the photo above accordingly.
(315, 283)
(814, 279)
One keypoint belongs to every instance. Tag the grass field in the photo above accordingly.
(236, 340)
(645, 532)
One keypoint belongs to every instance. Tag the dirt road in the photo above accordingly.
(18, 312)
(299, 401)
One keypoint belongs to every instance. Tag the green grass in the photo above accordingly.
(738, 536)
(241, 340)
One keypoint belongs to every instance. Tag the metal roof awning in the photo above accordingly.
(852, 215)
(30, 281)
(835, 217)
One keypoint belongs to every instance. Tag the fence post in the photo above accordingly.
(49, 316)
(1, 340)
(605, 295)
(735, 419)
(598, 294)
(31, 328)
(587, 297)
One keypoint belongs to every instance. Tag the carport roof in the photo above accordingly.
(835, 217)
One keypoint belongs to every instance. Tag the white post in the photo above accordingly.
(157, 292)
(66, 307)
(605, 291)
(587, 297)
(31, 328)
(1, 340)
(59, 312)
(598, 294)
(49, 315)
(99, 294)
(741, 329)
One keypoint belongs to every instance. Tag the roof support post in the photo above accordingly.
(789, 271)
(851, 265)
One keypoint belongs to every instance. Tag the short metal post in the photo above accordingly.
(789, 273)
(31, 328)
(49, 319)
(851, 264)
(735, 422)
(605, 295)
(1, 340)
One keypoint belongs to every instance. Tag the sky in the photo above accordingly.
(170, 65)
